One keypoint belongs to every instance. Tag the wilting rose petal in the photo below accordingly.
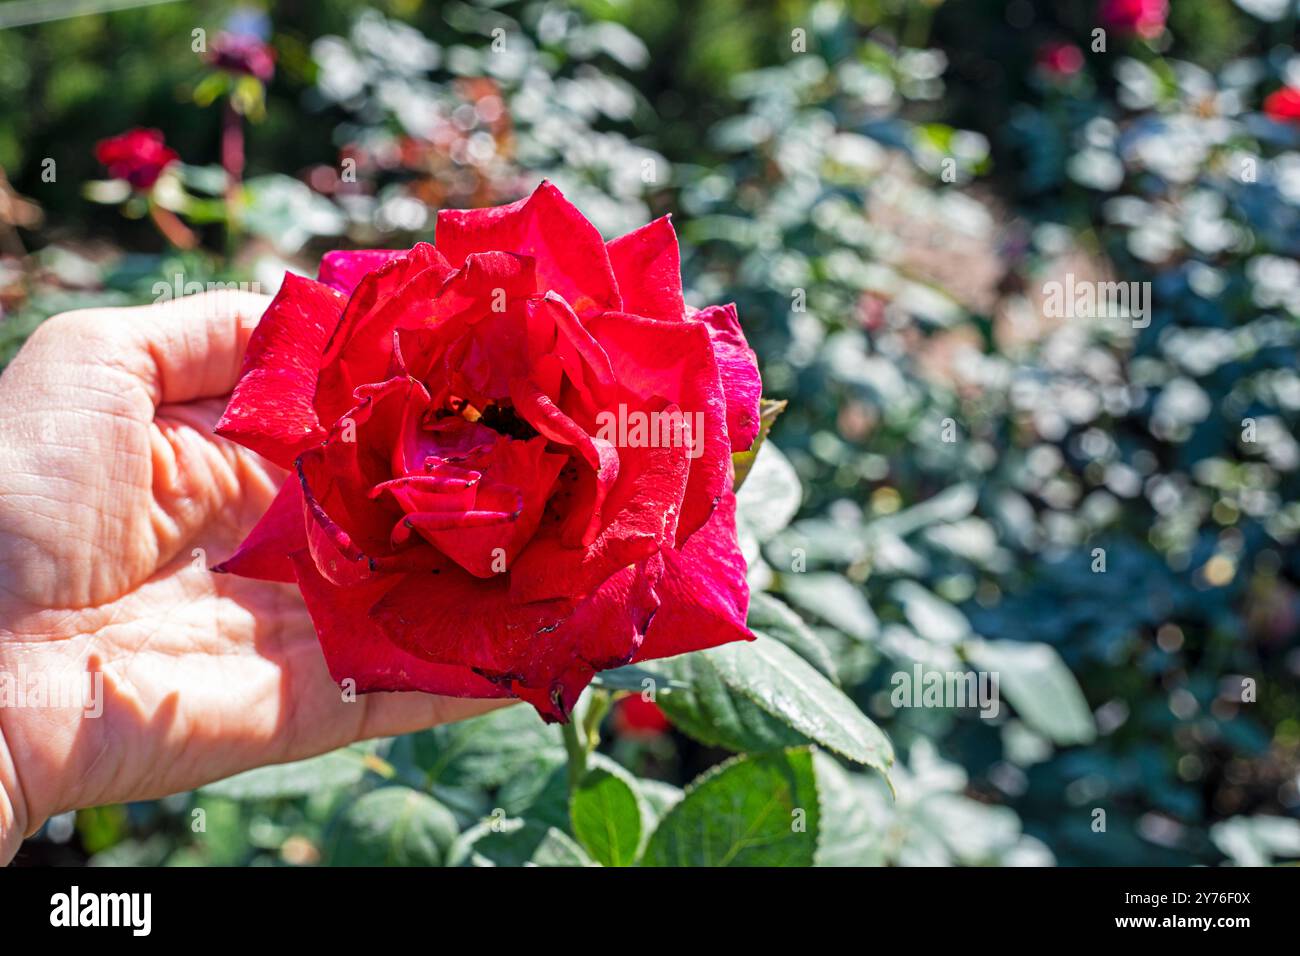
(271, 408)
(703, 595)
(278, 533)
(604, 631)
(356, 648)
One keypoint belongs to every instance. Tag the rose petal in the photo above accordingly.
(579, 355)
(343, 269)
(544, 652)
(738, 369)
(703, 594)
(264, 554)
(604, 631)
(590, 489)
(271, 410)
(356, 648)
(642, 511)
(361, 349)
(648, 266)
(569, 251)
(517, 481)
(466, 333)
(338, 476)
(674, 361)
(456, 618)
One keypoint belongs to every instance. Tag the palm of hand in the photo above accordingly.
(111, 509)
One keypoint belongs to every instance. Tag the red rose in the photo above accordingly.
(1060, 59)
(1283, 105)
(1146, 18)
(139, 156)
(634, 716)
(242, 53)
(478, 508)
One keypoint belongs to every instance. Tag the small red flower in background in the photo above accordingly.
(634, 716)
(1060, 60)
(1145, 18)
(242, 53)
(1283, 105)
(139, 156)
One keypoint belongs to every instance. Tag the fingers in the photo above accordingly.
(196, 344)
(97, 486)
(178, 350)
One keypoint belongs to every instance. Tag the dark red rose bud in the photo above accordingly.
(244, 54)
(139, 156)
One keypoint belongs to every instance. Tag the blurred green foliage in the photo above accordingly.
(1103, 512)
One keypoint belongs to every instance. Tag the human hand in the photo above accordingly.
(115, 497)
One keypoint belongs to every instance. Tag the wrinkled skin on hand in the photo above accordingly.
(465, 516)
(113, 492)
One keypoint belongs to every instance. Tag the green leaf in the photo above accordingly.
(608, 816)
(224, 838)
(852, 820)
(768, 412)
(288, 213)
(715, 713)
(930, 615)
(776, 619)
(660, 797)
(501, 841)
(1040, 687)
(341, 768)
(759, 810)
(540, 792)
(485, 751)
(558, 849)
(951, 504)
(771, 496)
(761, 695)
(393, 826)
(209, 180)
(210, 87)
(834, 599)
(517, 842)
(631, 677)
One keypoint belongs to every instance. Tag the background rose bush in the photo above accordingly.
(886, 294)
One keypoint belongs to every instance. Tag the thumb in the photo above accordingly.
(96, 488)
